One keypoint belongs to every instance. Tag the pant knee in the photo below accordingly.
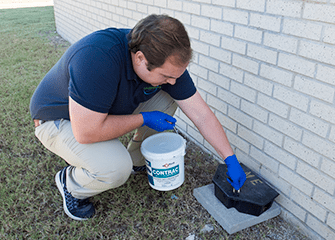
(114, 178)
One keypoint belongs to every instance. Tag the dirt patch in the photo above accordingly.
(55, 39)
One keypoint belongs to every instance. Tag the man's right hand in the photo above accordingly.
(158, 121)
(235, 172)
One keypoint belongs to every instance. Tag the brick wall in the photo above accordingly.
(267, 70)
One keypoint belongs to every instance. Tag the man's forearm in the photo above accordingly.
(211, 129)
(112, 127)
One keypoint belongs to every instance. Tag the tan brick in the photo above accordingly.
(319, 145)
(277, 75)
(222, 27)
(191, 7)
(296, 180)
(240, 117)
(231, 72)
(328, 167)
(254, 111)
(308, 122)
(329, 35)
(293, 208)
(323, 111)
(258, 84)
(302, 152)
(265, 22)
(219, 80)
(268, 133)
(227, 3)
(320, 228)
(326, 74)
(200, 22)
(318, 52)
(252, 5)
(207, 86)
(331, 220)
(262, 54)
(238, 142)
(229, 98)
(332, 134)
(233, 45)
(303, 29)
(250, 137)
(324, 199)
(316, 177)
(217, 104)
(296, 64)
(285, 127)
(273, 178)
(200, 47)
(248, 34)
(265, 160)
(220, 54)
(273, 105)
(210, 38)
(235, 16)
(175, 5)
(307, 203)
(284, 7)
(245, 63)
(290, 97)
(211, 11)
(319, 12)
(243, 91)
(198, 70)
(281, 42)
(280, 155)
(209, 63)
(226, 122)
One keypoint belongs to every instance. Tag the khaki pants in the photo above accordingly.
(97, 167)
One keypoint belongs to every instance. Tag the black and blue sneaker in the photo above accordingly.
(139, 169)
(77, 209)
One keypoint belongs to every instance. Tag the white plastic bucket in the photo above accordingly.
(164, 155)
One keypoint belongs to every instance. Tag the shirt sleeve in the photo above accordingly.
(182, 89)
(94, 77)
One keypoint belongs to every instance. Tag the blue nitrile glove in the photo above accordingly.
(158, 121)
(235, 172)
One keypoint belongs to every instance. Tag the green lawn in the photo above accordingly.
(31, 206)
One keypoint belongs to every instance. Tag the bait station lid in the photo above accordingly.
(254, 198)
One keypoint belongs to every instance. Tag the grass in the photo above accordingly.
(31, 206)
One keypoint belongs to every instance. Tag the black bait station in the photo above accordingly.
(254, 198)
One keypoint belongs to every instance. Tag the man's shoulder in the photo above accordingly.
(102, 42)
(108, 35)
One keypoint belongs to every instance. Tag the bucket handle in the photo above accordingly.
(176, 130)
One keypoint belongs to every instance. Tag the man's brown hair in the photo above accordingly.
(159, 37)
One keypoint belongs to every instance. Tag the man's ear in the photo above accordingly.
(140, 58)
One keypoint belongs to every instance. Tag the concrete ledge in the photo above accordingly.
(230, 219)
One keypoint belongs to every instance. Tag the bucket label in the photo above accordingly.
(165, 176)
(165, 173)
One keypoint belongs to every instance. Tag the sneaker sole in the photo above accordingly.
(60, 188)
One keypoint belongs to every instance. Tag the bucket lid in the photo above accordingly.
(163, 146)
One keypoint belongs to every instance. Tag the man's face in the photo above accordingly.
(167, 73)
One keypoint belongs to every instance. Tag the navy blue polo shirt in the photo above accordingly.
(97, 73)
